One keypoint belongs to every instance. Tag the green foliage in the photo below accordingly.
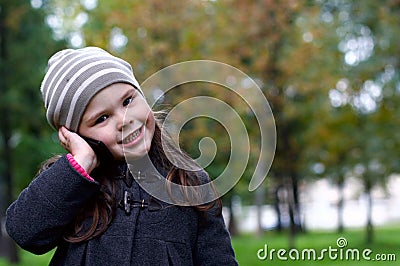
(28, 44)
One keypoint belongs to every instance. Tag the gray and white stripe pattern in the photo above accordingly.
(72, 79)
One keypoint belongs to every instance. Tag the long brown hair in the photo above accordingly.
(102, 208)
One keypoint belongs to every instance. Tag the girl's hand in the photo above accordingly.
(79, 148)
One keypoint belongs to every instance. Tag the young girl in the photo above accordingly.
(86, 203)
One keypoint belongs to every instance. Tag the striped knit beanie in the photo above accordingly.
(73, 77)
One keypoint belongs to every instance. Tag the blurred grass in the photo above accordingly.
(29, 259)
(386, 241)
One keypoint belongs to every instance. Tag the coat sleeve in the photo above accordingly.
(213, 241)
(38, 218)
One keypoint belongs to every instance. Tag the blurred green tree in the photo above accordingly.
(25, 45)
(353, 135)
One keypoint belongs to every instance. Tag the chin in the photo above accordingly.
(135, 155)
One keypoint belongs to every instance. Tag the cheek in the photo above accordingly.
(104, 136)
(107, 139)
(150, 122)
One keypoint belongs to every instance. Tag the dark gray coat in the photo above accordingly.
(172, 235)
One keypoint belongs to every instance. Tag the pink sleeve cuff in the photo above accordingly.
(78, 168)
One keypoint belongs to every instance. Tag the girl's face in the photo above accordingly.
(120, 117)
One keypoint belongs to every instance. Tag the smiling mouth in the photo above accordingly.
(133, 136)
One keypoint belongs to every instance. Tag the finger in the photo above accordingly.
(60, 134)
(64, 138)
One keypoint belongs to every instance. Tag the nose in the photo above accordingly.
(121, 123)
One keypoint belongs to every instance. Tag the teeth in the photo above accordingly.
(132, 136)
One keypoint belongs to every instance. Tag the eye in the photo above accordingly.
(127, 101)
(101, 119)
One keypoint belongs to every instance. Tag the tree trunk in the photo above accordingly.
(369, 226)
(340, 206)
(259, 202)
(292, 218)
(232, 226)
(296, 203)
(277, 207)
(292, 229)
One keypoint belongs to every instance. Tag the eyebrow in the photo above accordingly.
(130, 92)
(93, 118)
